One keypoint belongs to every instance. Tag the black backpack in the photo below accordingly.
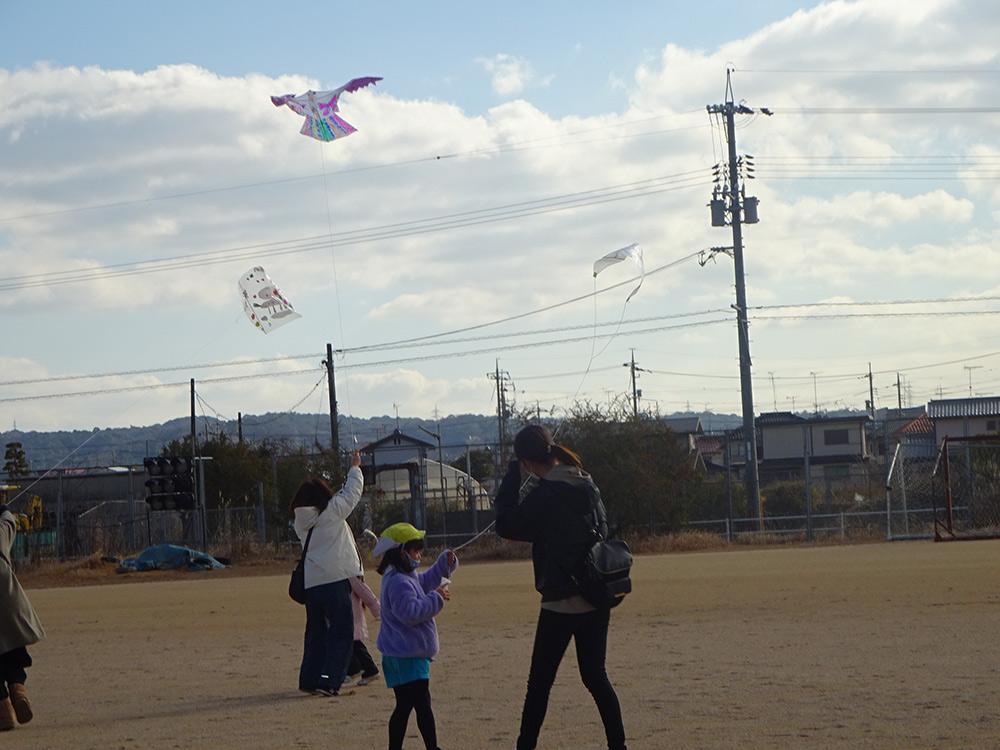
(602, 575)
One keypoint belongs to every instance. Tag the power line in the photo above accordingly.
(363, 365)
(443, 340)
(625, 191)
(517, 146)
(884, 110)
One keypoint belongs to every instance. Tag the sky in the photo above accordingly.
(144, 170)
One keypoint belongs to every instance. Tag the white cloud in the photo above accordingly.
(510, 75)
(429, 219)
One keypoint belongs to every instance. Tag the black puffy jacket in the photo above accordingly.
(557, 517)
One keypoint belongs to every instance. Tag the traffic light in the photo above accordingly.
(171, 482)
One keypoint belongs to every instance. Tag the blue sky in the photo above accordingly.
(139, 153)
(426, 50)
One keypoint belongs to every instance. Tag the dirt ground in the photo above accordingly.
(889, 646)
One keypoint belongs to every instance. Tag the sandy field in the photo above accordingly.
(875, 646)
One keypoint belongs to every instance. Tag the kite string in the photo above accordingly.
(593, 344)
(336, 290)
(593, 341)
(128, 407)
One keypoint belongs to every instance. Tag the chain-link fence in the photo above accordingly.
(123, 528)
(968, 475)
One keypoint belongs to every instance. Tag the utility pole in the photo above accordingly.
(636, 394)
(503, 414)
(444, 495)
(334, 430)
(738, 211)
(970, 368)
(871, 393)
(194, 436)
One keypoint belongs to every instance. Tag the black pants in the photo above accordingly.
(361, 661)
(590, 631)
(412, 696)
(12, 666)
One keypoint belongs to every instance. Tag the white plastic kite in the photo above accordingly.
(262, 302)
(320, 110)
(634, 252)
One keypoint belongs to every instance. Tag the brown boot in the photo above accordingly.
(19, 699)
(6, 715)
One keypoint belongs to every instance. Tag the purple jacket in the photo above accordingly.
(409, 603)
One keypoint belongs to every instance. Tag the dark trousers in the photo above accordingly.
(361, 661)
(329, 636)
(12, 666)
(412, 696)
(590, 631)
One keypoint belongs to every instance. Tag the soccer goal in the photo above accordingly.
(910, 488)
(968, 503)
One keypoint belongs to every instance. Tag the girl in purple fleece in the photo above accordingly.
(408, 637)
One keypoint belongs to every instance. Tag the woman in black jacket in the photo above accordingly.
(556, 516)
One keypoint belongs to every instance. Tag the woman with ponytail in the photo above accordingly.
(556, 516)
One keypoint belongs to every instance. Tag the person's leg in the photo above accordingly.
(339, 633)
(400, 716)
(314, 645)
(365, 662)
(355, 664)
(591, 636)
(420, 697)
(551, 639)
(12, 677)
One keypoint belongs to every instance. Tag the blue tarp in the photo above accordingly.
(169, 557)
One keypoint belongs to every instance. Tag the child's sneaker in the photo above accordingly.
(368, 680)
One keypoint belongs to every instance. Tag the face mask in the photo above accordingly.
(414, 564)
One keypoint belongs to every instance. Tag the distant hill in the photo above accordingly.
(127, 446)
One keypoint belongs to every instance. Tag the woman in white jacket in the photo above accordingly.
(331, 561)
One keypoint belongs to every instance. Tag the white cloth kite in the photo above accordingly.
(320, 110)
(263, 303)
(634, 252)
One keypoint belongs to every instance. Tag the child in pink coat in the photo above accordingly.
(361, 660)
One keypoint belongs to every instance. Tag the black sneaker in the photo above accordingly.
(324, 691)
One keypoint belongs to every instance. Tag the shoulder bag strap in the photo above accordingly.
(305, 547)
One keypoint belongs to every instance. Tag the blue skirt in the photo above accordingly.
(398, 670)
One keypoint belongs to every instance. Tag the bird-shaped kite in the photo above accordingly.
(320, 110)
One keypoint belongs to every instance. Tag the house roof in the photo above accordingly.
(709, 443)
(778, 417)
(684, 425)
(920, 426)
(951, 408)
(395, 439)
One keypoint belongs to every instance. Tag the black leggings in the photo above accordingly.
(590, 631)
(412, 696)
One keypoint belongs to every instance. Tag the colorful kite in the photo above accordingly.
(263, 303)
(320, 110)
(634, 252)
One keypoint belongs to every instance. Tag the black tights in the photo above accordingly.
(412, 696)
(590, 631)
